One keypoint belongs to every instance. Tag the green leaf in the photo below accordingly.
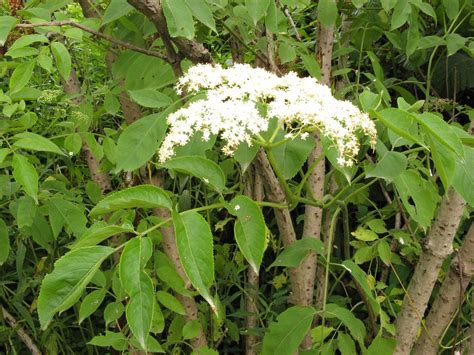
(390, 166)
(249, 230)
(91, 303)
(195, 249)
(26, 212)
(4, 241)
(73, 143)
(364, 254)
(413, 38)
(385, 252)
(166, 272)
(63, 59)
(33, 141)
(426, 8)
(150, 98)
(113, 311)
(142, 196)
(454, 42)
(139, 141)
(388, 4)
(111, 103)
(138, 286)
(356, 326)
(139, 310)
(22, 52)
(452, 8)
(463, 181)
(26, 40)
(291, 155)
(62, 288)
(157, 321)
(191, 329)
(377, 225)
(345, 344)
(271, 19)
(400, 14)
(441, 131)
(292, 255)
(152, 345)
(26, 175)
(62, 212)
(6, 25)
(444, 161)
(99, 232)
(412, 187)
(135, 255)
(361, 278)
(286, 53)
(311, 65)
(327, 12)
(170, 302)
(257, 9)
(21, 75)
(364, 234)
(41, 232)
(331, 153)
(286, 334)
(117, 341)
(115, 10)
(200, 167)
(202, 12)
(359, 3)
(4, 152)
(399, 122)
(381, 345)
(320, 333)
(179, 18)
(245, 154)
(430, 41)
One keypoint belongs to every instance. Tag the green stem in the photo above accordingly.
(344, 190)
(291, 197)
(332, 229)
(430, 62)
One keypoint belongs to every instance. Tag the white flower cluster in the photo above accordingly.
(241, 100)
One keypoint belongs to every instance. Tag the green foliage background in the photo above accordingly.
(82, 266)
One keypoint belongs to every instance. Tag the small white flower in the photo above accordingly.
(237, 207)
(231, 109)
(304, 135)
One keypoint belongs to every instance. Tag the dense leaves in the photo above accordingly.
(105, 247)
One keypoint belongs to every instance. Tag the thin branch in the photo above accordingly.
(25, 338)
(111, 39)
(292, 23)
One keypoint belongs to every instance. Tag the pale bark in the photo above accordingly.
(438, 248)
(450, 297)
(313, 216)
(275, 193)
(22, 334)
(171, 250)
(190, 49)
(72, 86)
(253, 189)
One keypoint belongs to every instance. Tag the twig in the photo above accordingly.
(95, 33)
(292, 23)
(25, 338)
